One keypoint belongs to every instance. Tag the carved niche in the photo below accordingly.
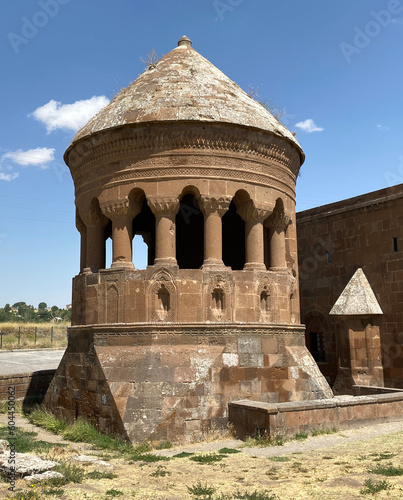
(218, 305)
(162, 297)
(265, 300)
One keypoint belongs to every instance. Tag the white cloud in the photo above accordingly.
(8, 177)
(38, 157)
(382, 127)
(308, 126)
(55, 115)
(397, 20)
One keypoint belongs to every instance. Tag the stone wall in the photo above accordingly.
(251, 418)
(29, 387)
(333, 241)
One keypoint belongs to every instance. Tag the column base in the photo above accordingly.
(278, 269)
(89, 270)
(213, 264)
(255, 265)
(165, 261)
(122, 265)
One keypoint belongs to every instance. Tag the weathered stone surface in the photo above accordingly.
(357, 299)
(25, 464)
(91, 460)
(39, 478)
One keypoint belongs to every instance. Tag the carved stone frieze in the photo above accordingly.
(265, 299)
(163, 205)
(118, 208)
(210, 204)
(251, 211)
(93, 218)
(218, 305)
(162, 297)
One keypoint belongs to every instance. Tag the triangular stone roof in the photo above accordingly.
(357, 299)
(184, 86)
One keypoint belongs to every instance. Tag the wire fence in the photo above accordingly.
(25, 336)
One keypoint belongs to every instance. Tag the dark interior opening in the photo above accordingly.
(189, 234)
(317, 346)
(144, 225)
(233, 239)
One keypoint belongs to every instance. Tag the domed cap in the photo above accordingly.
(184, 86)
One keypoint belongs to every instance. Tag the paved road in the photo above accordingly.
(13, 362)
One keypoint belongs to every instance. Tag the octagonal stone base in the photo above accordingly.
(174, 381)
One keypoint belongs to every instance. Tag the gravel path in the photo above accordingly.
(310, 444)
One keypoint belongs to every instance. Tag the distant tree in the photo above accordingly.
(7, 308)
(42, 305)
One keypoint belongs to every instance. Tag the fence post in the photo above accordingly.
(19, 336)
(1, 340)
(51, 335)
(36, 331)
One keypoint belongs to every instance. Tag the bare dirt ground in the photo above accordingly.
(333, 466)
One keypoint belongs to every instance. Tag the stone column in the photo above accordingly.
(277, 224)
(95, 240)
(83, 241)
(122, 215)
(213, 210)
(253, 216)
(165, 210)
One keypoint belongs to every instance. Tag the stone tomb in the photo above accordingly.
(206, 175)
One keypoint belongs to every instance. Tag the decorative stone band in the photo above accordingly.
(250, 211)
(163, 206)
(211, 205)
(118, 143)
(200, 333)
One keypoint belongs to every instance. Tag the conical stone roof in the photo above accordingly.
(184, 86)
(357, 299)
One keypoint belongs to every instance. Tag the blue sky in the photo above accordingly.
(335, 68)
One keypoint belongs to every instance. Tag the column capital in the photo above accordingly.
(253, 212)
(278, 220)
(79, 223)
(212, 205)
(93, 218)
(163, 206)
(118, 208)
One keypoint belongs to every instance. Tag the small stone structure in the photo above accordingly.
(359, 340)
(207, 176)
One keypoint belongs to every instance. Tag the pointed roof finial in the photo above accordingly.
(185, 41)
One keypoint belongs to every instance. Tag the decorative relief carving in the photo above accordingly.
(278, 219)
(93, 218)
(162, 297)
(250, 211)
(163, 206)
(218, 305)
(118, 208)
(210, 205)
(265, 299)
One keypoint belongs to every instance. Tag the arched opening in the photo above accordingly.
(140, 252)
(163, 303)
(189, 233)
(217, 303)
(233, 239)
(144, 237)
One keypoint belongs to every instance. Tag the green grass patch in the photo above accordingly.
(53, 492)
(46, 419)
(201, 490)
(263, 440)
(114, 493)
(72, 474)
(228, 451)
(100, 475)
(26, 495)
(256, 495)
(371, 488)
(387, 470)
(207, 458)
(301, 436)
(163, 445)
(25, 441)
(383, 456)
(279, 459)
(321, 432)
(160, 472)
(183, 454)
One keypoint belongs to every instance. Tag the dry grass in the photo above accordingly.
(22, 335)
(344, 471)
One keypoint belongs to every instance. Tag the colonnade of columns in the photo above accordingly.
(92, 223)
